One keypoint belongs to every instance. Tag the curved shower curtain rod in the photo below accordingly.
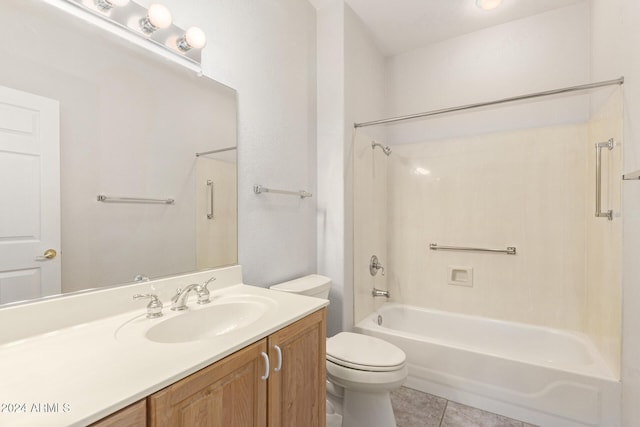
(617, 81)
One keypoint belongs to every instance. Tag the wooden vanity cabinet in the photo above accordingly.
(134, 415)
(297, 390)
(231, 393)
(227, 393)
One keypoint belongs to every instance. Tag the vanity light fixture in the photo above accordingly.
(158, 17)
(194, 38)
(488, 4)
(106, 5)
(140, 24)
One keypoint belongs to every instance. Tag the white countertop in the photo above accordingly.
(80, 373)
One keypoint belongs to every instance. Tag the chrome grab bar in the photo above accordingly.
(599, 146)
(221, 150)
(259, 189)
(511, 250)
(109, 199)
(210, 213)
(631, 176)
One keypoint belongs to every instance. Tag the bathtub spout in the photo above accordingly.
(380, 293)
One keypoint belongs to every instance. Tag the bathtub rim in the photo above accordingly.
(605, 371)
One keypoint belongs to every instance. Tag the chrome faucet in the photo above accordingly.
(179, 300)
(380, 293)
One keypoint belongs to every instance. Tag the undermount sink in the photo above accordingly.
(199, 322)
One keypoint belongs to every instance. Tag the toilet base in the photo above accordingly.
(334, 419)
(367, 409)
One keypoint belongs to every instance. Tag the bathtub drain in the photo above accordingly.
(379, 319)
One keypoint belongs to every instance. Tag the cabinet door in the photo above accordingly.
(132, 416)
(297, 390)
(227, 393)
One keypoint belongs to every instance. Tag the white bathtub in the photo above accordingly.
(540, 375)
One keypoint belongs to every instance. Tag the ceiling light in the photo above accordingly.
(158, 16)
(194, 38)
(488, 4)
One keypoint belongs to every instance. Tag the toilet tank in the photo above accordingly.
(313, 285)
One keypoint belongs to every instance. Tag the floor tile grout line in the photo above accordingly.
(443, 412)
(445, 408)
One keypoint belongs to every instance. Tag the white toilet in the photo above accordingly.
(361, 370)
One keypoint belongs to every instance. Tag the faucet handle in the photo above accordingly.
(203, 292)
(154, 308)
(177, 295)
(204, 286)
(374, 266)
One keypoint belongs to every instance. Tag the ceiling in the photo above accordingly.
(402, 25)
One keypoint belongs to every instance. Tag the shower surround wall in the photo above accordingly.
(530, 188)
(524, 188)
(370, 211)
(604, 238)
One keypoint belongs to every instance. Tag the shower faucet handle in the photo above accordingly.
(374, 266)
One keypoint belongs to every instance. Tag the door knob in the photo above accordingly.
(48, 254)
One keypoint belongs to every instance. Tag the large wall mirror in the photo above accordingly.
(84, 113)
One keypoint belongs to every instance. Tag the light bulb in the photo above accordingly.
(158, 16)
(109, 4)
(194, 38)
(488, 4)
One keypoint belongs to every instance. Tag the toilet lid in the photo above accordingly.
(364, 352)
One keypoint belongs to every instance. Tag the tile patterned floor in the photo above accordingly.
(416, 409)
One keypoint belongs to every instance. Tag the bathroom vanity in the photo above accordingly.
(232, 391)
(260, 363)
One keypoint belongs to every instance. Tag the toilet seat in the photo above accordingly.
(364, 353)
(366, 381)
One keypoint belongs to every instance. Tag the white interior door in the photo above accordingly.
(29, 196)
